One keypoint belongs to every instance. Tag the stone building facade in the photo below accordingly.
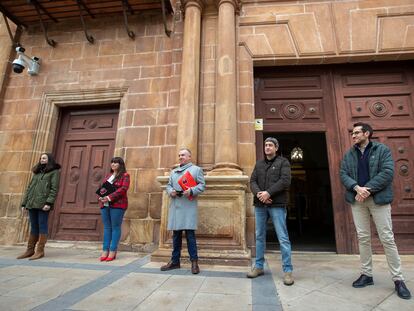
(231, 74)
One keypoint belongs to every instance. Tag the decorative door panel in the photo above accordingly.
(382, 95)
(85, 148)
(291, 97)
(402, 146)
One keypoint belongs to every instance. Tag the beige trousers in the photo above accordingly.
(381, 215)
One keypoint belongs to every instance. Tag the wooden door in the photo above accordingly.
(85, 147)
(302, 99)
(382, 94)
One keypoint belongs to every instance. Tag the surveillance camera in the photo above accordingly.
(18, 65)
(23, 61)
(20, 49)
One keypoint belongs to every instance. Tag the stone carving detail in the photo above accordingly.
(276, 29)
(293, 111)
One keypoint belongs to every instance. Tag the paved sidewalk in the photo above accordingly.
(70, 278)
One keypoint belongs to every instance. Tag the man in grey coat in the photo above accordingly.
(367, 171)
(186, 182)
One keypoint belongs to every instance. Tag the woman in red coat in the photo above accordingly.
(113, 208)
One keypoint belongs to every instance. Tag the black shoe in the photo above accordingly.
(402, 290)
(363, 281)
(170, 266)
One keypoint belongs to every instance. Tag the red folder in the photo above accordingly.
(187, 181)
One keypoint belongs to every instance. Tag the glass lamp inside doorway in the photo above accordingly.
(296, 155)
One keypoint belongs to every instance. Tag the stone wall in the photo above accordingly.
(9, 222)
(316, 32)
(147, 68)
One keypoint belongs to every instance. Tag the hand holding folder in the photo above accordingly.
(106, 189)
(186, 182)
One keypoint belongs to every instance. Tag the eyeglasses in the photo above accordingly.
(356, 133)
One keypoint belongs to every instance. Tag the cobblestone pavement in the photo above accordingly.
(72, 278)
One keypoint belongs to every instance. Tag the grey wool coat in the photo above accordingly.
(183, 214)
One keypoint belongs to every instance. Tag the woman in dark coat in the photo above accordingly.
(113, 207)
(39, 199)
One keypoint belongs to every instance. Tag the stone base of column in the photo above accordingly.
(221, 234)
(225, 169)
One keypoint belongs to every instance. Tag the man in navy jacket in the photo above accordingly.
(367, 171)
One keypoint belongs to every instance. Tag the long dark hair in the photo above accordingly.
(50, 166)
(122, 168)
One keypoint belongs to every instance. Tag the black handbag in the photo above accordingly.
(106, 189)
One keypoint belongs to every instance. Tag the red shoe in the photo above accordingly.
(103, 258)
(111, 258)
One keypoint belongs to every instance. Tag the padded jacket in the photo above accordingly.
(273, 177)
(42, 189)
(381, 173)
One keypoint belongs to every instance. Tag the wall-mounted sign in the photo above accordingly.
(258, 124)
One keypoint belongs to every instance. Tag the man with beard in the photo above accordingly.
(367, 171)
(269, 184)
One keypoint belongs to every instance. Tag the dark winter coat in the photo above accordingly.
(273, 177)
(381, 173)
(42, 189)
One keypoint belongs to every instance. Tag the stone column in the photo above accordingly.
(226, 155)
(221, 234)
(187, 131)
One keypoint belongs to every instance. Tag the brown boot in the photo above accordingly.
(170, 266)
(40, 249)
(30, 247)
(195, 269)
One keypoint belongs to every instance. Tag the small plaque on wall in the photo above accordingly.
(258, 124)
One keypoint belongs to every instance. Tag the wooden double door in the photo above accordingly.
(330, 99)
(84, 147)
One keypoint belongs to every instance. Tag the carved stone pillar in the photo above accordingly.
(190, 78)
(226, 155)
(221, 234)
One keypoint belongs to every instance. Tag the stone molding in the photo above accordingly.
(201, 4)
(236, 4)
(288, 33)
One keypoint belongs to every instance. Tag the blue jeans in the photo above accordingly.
(112, 221)
(38, 221)
(278, 215)
(177, 242)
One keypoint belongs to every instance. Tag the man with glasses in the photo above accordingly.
(367, 171)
